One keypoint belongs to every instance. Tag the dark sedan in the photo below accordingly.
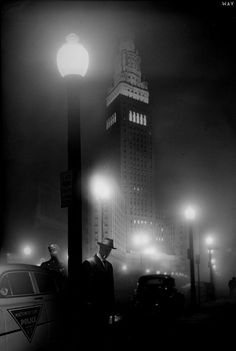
(156, 294)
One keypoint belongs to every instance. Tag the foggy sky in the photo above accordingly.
(187, 58)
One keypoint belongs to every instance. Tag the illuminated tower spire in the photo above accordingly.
(127, 79)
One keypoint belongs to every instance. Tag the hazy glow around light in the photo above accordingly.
(124, 268)
(190, 213)
(149, 251)
(101, 187)
(27, 251)
(141, 239)
(209, 240)
(72, 58)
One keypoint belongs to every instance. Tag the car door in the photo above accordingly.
(23, 311)
(47, 289)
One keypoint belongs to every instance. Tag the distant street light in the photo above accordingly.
(101, 188)
(211, 261)
(140, 241)
(190, 216)
(72, 62)
(124, 267)
(27, 250)
(150, 251)
(190, 213)
(209, 240)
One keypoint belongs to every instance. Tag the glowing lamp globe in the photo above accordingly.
(190, 213)
(101, 187)
(209, 240)
(27, 250)
(72, 58)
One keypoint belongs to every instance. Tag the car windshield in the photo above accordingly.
(157, 282)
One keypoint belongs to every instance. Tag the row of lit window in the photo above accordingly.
(111, 120)
(137, 118)
(141, 222)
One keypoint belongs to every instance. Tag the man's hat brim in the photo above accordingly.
(111, 247)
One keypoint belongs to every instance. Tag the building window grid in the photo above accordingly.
(135, 117)
(111, 120)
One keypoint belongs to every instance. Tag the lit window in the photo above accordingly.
(144, 120)
(130, 116)
(137, 118)
(141, 119)
(133, 116)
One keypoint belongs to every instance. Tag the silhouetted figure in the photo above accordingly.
(58, 270)
(98, 289)
(56, 267)
(232, 287)
(54, 263)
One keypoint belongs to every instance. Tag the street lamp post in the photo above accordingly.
(190, 215)
(209, 241)
(72, 61)
(198, 278)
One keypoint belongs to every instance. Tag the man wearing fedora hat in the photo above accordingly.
(98, 286)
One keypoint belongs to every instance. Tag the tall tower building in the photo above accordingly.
(129, 137)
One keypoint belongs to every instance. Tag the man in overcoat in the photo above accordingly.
(98, 286)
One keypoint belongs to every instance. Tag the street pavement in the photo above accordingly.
(210, 325)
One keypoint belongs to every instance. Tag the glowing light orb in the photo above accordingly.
(72, 58)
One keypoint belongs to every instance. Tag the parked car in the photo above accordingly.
(28, 303)
(156, 294)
